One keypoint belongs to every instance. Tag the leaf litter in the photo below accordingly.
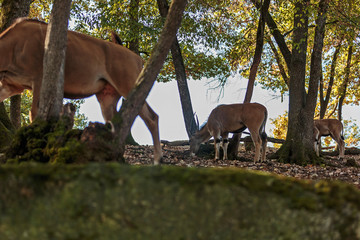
(333, 169)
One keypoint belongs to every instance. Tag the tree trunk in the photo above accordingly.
(52, 88)
(293, 150)
(298, 147)
(124, 119)
(185, 99)
(258, 51)
(316, 61)
(324, 101)
(15, 111)
(279, 38)
(134, 29)
(133, 46)
(346, 81)
(234, 142)
(280, 64)
(7, 129)
(11, 10)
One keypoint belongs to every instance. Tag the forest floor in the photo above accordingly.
(332, 169)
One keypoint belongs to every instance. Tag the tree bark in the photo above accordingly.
(52, 88)
(11, 10)
(15, 111)
(235, 140)
(294, 149)
(298, 147)
(258, 51)
(279, 38)
(324, 101)
(124, 119)
(134, 29)
(185, 99)
(346, 81)
(316, 61)
(278, 60)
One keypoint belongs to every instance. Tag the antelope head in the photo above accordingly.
(194, 140)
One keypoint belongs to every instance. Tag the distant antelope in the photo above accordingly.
(332, 128)
(233, 118)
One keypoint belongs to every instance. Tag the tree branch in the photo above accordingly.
(124, 119)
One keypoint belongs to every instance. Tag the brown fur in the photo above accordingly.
(225, 119)
(332, 128)
(92, 66)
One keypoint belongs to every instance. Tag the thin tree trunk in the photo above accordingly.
(185, 99)
(134, 29)
(346, 81)
(124, 119)
(278, 60)
(279, 38)
(234, 142)
(316, 61)
(133, 46)
(15, 110)
(258, 51)
(324, 101)
(52, 88)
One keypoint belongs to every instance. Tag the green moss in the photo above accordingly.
(113, 201)
(44, 142)
(71, 152)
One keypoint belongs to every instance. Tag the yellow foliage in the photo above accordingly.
(280, 123)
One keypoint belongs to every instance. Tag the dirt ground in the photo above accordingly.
(333, 168)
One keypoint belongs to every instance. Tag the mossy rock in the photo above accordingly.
(114, 201)
(54, 142)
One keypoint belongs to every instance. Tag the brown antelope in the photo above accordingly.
(233, 118)
(92, 66)
(332, 128)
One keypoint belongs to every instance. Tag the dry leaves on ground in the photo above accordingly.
(333, 169)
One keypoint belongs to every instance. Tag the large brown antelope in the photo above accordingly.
(329, 127)
(233, 118)
(92, 66)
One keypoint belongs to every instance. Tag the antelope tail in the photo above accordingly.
(342, 132)
(262, 132)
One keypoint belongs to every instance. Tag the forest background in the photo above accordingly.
(217, 43)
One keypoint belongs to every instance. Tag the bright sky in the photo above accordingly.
(164, 99)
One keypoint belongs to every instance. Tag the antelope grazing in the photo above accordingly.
(233, 118)
(92, 66)
(332, 128)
